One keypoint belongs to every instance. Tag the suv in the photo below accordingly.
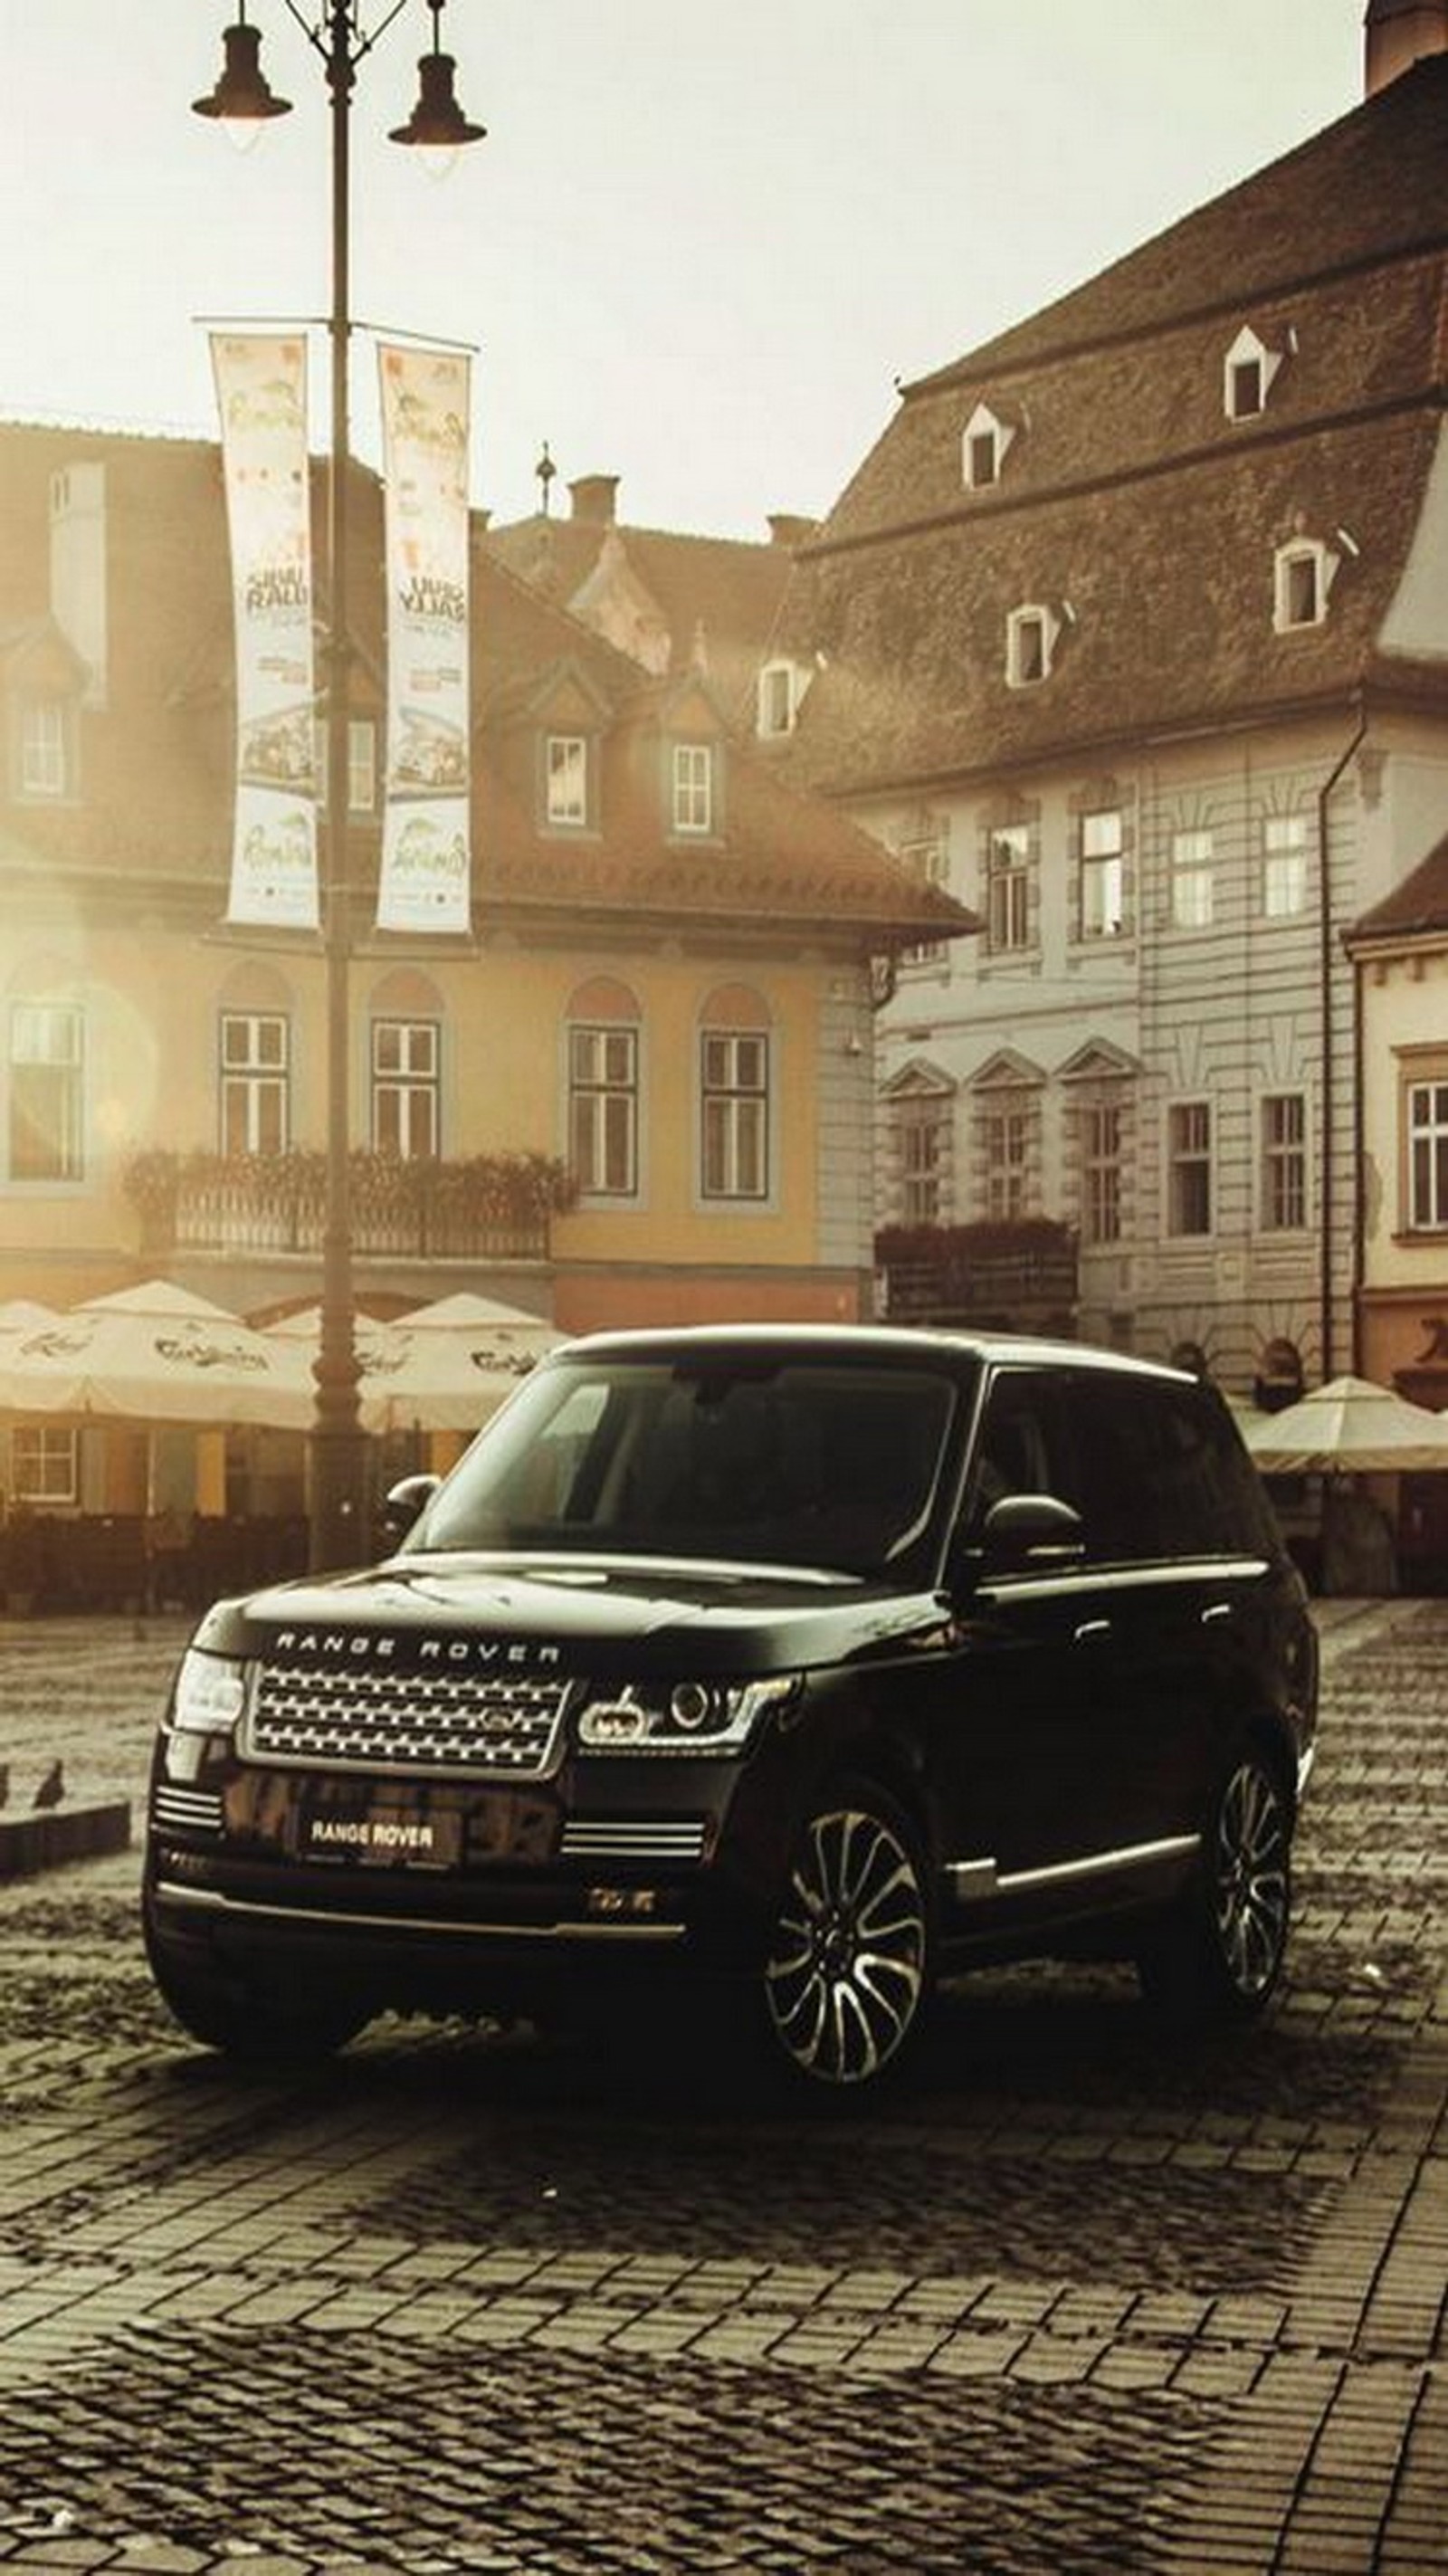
(804, 1662)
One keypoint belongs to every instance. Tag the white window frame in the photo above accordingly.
(254, 1081)
(1193, 883)
(1102, 864)
(924, 1131)
(1284, 867)
(406, 1088)
(778, 703)
(984, 444)
(1425, 1141)
(1031, 635)
(1190, 1175)
(1103, 1141)
(44, 743)
(603, 1108)
(734, 1115)
(927, 856)
(1006, 1121)
(44, 1465)
(1303, 573)
(46, 1039)
(692, 792)
(1249, 360)
(1009, 856)
(565, 781)
(1283, 1163)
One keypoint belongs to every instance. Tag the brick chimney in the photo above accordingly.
(1397, 34)
(78, 569)
(595, 499)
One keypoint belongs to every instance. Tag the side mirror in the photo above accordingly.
(406, 1502)
(1026, 1531)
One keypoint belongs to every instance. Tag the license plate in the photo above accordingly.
(382, 1836)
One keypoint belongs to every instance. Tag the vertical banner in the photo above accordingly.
(425, 863)
(261, 391)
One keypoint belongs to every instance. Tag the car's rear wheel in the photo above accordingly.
(1220, 1951)
(247, 2022)
(849, 1961)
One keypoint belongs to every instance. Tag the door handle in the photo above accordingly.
(1215, 1611)
(1090, 1629)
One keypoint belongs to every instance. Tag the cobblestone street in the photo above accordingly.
(1075, 2298)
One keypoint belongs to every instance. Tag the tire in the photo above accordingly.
(256, 2028)
(848, 1968)
(1219, 1952)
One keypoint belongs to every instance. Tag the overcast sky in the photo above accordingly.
(698, 248)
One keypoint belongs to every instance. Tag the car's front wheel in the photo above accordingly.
(848, 1967)
(1221, 1948)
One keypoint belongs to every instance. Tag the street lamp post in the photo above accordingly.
(243, 98)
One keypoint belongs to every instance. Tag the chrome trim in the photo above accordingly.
(1059, 1582)
(974, 1880)
(197, 1810)
(210, 1900)
(623, 1838)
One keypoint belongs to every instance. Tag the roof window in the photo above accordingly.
(1031, 637)
(1304, 572)
(1247, 375)
(983, 448)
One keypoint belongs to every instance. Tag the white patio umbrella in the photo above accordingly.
(153, 1354)
(1350, 1427)
(444, 1367)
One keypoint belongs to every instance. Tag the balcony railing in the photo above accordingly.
(1018, 1275)
(487, 1207)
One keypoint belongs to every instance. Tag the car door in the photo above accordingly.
(1025, 1761)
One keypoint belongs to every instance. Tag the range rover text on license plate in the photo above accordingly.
(381, 1834)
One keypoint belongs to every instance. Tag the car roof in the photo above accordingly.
(895, 1344)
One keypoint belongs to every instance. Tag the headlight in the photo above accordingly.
(679, 1717)
(210, 1694)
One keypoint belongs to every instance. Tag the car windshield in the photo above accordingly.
(800, 1462)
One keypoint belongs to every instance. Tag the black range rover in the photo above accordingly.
(799, 1665)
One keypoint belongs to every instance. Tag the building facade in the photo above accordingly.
(1132, 632)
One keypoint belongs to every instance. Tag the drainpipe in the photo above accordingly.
(1324, 963)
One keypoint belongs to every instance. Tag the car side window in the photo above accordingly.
(1025, 1446)
(1165, 1479)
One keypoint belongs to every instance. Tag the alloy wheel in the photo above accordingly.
(847, 1968)
(1250, 1880)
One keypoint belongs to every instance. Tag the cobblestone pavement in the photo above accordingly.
(1076, 2299)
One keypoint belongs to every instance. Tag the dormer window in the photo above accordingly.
(1304, 574)
(1031, 635)
(779, 696)
(983, 449)
(1247, 374)
(692, 807)
(565, 789)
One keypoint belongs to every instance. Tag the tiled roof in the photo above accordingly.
(157, 799)
(1129, 504)
(727, 588)
(1419, 904)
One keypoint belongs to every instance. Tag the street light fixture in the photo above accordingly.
(243, 98)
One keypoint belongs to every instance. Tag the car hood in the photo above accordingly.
(576, 1613)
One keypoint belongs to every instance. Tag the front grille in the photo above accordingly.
(316, 1716)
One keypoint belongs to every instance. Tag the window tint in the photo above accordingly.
(1027, 1445)
(1167, 1474)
